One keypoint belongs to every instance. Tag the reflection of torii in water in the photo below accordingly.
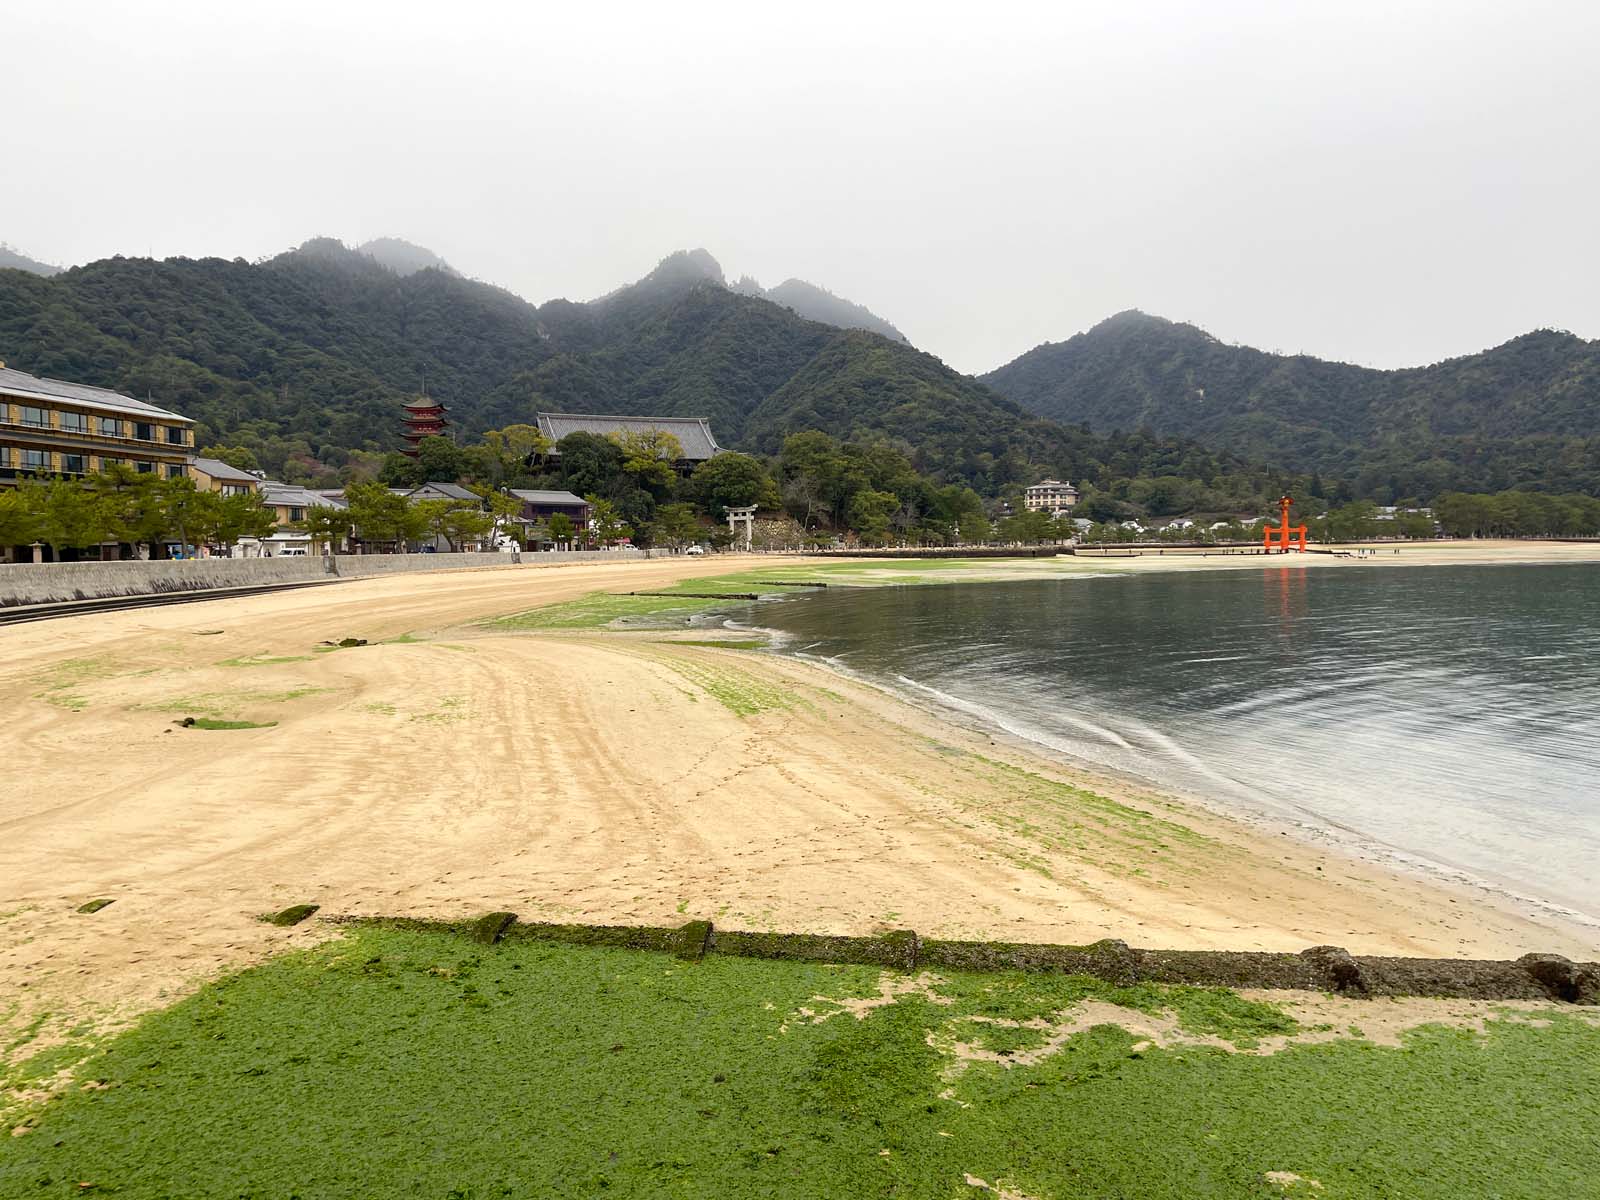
(1283, 530)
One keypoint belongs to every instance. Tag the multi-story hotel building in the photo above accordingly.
(1051, 496)
(48, 427)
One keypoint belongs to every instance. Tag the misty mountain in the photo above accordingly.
(799, 297)
(1526, 412)
(402, 257)
(819, 304)
(305, 358)
(13, 259)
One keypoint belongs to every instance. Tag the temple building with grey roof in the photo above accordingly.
(693, 433)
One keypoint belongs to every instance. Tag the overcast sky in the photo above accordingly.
(1386, 183)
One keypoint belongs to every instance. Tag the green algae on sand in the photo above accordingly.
(433, 1065)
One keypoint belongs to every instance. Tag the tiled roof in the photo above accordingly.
(451, 491)
(693, 433)
(33, 387)
(218, 469)
(537, 497)
(292, 494)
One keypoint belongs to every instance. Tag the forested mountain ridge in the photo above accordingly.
(819, 304)
(13, 259)
(1523, 413)
(403, 257)
(304, 359)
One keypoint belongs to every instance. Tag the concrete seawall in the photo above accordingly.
(54, 583)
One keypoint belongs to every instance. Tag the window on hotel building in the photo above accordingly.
(74, 422)
(174, 435)
(144, 468)
(297, 514)
(5, 456)
(74, 464)
(35, 460)
(110, 427)
(174, 470)
(236, 489)
(36, 417)
(144, 431)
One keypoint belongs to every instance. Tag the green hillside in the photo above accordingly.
(305, 359)
(1523, 414)
(14, 259)
(819, 304)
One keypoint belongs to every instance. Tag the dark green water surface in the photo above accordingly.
(1445, 716)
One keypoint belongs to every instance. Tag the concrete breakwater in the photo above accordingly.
(55, 583)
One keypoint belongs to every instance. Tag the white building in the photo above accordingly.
(1053, 496)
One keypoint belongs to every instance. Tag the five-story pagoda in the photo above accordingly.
(424, 418)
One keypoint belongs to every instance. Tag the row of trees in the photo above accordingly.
(867, 492)
(636, 487)
(375, 514)
(1518, 514)
(120, 506)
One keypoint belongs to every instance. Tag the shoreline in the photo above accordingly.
(1312, 829)
(450, 768)
(1313, 832)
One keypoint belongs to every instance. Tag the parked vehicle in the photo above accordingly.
(695, 550)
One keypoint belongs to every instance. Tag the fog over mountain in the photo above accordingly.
(402, 257)
(13, 259)
(819, 304)
(1376, 183)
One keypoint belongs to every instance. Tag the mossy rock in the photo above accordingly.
(93, 906)
(487, 929)
(292, 915)
(691, 941)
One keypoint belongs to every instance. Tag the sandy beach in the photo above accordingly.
(450, 768)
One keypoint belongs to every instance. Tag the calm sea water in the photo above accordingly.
(1447, 716)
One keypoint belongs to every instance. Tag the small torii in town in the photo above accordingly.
(1283, 529)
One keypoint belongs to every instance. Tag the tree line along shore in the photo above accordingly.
(817, 492)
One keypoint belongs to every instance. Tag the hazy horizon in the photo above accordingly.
(1388, 185)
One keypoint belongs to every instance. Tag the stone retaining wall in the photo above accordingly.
(1320, 968)
(54, 583)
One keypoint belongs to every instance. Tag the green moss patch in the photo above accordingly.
(62, 682)
(222, 704)
(740, 692)
(217, 723)
(292, 915)
(263, 660)
(94, 906)
(437, 1066)
(600, 610)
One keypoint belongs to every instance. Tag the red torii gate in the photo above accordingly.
(1283, 530)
